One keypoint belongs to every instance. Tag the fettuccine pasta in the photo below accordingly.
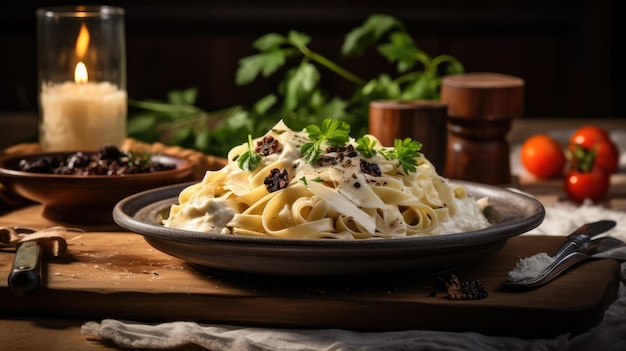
(342, 194)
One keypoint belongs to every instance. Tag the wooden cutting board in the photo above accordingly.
(118, 275)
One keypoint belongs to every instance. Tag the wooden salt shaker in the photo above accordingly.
(481, 107)
(420, 120)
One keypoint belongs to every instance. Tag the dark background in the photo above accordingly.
(570, 53)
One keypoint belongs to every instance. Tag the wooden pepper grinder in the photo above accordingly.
(421, 120)
(481, 107)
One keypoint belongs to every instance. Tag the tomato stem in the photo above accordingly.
(583, 159)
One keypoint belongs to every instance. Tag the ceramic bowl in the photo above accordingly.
(85, 199)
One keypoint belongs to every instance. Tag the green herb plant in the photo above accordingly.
(300, 99)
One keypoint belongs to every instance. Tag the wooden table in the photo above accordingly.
(109, 272)
(118, 275)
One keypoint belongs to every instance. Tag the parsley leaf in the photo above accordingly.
(402, 49)
(365, 146)
(300, 86)
(407, 153)
(265, 63)
(332, 133)
(316, 179)
(249, 160)
(360, 38)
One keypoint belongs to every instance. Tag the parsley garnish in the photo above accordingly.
(249, 160)
(405, 151)
(331, 133)
(316, 179)
(366, 146)
(336, 133)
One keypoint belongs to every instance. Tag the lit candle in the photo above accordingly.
(85, 113)
(82, 115)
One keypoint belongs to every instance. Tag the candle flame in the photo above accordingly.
(80, 73)
(82, 42)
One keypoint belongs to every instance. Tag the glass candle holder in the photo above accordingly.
(82, 77)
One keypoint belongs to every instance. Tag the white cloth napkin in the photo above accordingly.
(225, 337)
(609, 335)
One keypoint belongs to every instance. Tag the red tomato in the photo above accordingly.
(593, 185)
(594, 137)
(543, 156)
(588, 136)
(607, 156)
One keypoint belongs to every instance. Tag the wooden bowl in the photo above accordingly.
(87, 199)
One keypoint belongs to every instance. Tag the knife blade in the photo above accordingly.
(581, 237)
(25, 277)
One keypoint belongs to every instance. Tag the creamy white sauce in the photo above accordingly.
(468, 217)
(203, 214)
